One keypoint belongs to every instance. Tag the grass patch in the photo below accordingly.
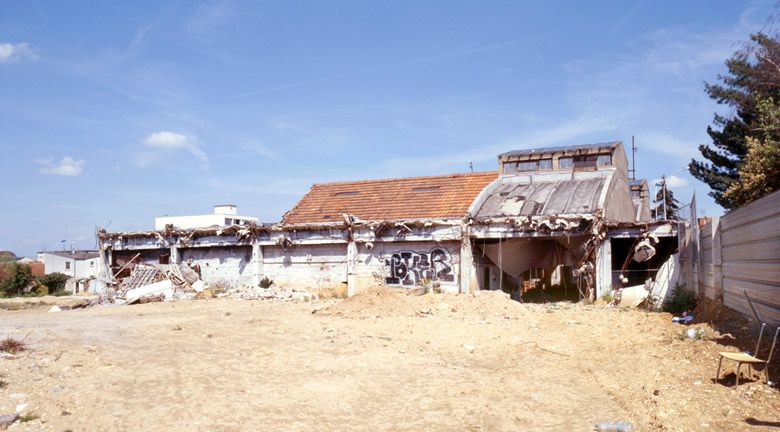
(339, 292)
(28, 417)
(682, 300)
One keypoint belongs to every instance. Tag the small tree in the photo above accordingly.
(55, 282)
(760, 174)
(672, 205)
(19, 277)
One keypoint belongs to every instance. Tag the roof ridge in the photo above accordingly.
(383, 180)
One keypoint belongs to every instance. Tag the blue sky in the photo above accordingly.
(117, 112)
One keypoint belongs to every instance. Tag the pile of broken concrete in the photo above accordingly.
(164, 282)
(272, 293)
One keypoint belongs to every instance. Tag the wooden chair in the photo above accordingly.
(750, 359)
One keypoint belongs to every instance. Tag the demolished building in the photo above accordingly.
(548, 218)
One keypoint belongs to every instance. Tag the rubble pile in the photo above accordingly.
(272, 293)
(165, 282)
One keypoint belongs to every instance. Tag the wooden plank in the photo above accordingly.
(761, 230)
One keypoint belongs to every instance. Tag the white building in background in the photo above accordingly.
(224, 215)
(76, 264)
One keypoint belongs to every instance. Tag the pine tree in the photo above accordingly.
(760, 174)
(753, 75)
(672, 205)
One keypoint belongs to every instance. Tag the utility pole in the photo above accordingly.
(471, 166)
(633, 159)
(663, 186)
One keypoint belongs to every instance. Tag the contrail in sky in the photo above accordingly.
(383, 68)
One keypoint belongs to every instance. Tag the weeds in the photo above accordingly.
(339, 292)
(12, 346)
(266, 283)
(682, 300)
(24, 418)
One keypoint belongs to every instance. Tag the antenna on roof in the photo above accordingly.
(633, 159)
(471, 166)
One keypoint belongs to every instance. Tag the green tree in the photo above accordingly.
(760, 174)
(19, 277)
(55, 282)
(753, 75)
(672, 205)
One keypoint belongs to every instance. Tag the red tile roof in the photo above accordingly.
(388, 199)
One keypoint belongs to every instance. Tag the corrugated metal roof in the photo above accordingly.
(569, 149)
(543, 198)
(400, 198)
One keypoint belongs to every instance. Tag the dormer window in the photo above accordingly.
(526, 166)
(604, 160)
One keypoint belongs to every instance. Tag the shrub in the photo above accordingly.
(682, 300)
(55, 282)
(266, 283)
(12, 346)
(19, 277)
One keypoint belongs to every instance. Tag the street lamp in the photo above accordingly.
(663, 191)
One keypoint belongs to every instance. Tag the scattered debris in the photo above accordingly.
(614, 427)
(55, 308)
(684, 319)
(632, 296)
(7, 420)
(271, 293)
(153, 290)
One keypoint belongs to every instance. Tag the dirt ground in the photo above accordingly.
(378, 361)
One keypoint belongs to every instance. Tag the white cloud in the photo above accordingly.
(12, 52)
(673, 182)
(676, 182)
(166, 139)
(169, 141)
(68, 167)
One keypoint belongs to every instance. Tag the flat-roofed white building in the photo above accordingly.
(224, 215)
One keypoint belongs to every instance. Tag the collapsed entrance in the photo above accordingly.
(535, 269)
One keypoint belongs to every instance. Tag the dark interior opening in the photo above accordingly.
(638, 272)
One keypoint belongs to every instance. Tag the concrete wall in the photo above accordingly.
(403, 264)
(308, 267)
(706, 267)
(229, 264)
(745, 256)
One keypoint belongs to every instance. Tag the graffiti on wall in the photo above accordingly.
(407, 267)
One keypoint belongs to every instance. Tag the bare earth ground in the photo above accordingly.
(378, 361)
